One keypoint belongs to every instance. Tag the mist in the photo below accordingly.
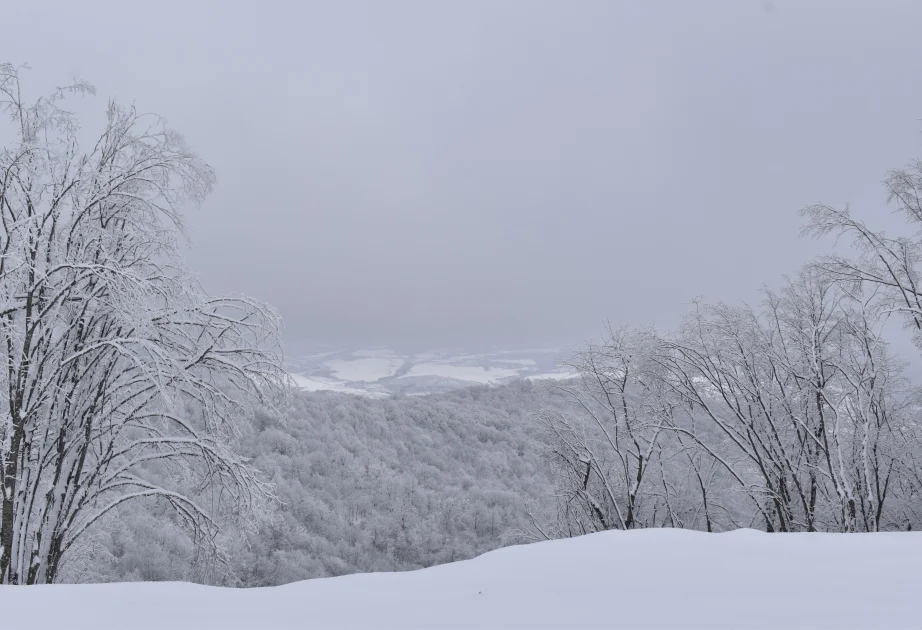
(503, 173)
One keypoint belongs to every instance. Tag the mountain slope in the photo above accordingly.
(364, 484)
(662, 578)
(380, 372)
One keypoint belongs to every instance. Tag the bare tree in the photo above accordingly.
(792, 417)
(120, 373)
(606, 454)
(886, 268)
(805, 396)
(889, 264)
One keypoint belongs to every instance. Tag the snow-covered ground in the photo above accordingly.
(641, 579)
(563, 375)
(367, 370)
(317, 384)
(466, 373)
(382, 371)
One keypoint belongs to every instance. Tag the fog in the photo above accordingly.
(506, 172)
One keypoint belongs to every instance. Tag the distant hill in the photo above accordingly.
(380, 372)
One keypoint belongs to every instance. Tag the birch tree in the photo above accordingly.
(119, 373)
(887, 263)
(887, 267)
(808, 401)
(606, 454)
(790, 416)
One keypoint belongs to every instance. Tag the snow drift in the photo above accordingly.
(640, 579)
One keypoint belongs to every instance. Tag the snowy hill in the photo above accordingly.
(380, 372)
(640, 579)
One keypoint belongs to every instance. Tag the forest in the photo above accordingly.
(150, 431)
(360, 484)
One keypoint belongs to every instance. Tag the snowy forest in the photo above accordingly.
(150, 431)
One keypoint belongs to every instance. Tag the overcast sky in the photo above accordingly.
(502, 173)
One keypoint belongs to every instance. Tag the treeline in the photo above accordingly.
(791, 416)
(362, 485)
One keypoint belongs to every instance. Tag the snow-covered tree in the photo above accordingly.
(792, 416)
(888, 264)
(606, 453)
(121, 378)
(807, 399)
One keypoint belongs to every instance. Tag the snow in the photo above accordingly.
(368, 370)
(525, 362)
(472, 373)
(553, 376)
(322, 354)
(648, 579)
(429, 356)
(376, 371)
(526, 351)
(316, 384)
(375, 353)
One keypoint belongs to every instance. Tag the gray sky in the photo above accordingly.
(502, 172)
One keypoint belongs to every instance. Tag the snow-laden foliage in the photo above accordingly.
(790, 416)
(363, 485)
(888, 265)
(121, 378)
(127, 433)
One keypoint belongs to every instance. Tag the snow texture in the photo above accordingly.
(640, 579)
(553, 376)
(316, 384)
(469, 373)
(377, 372)
(368, 370)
